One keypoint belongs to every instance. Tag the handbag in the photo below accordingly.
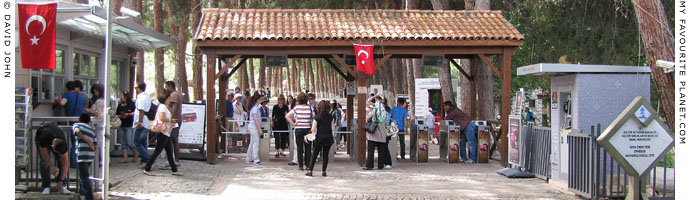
(159, 127)
(115, 121)
(370, 126)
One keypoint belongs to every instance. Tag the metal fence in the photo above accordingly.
(29, 175)
(594, 174)
(538, 160)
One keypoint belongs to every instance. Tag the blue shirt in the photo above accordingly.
(229, 109)
(256, 110)
(399, 114)
(74, 99)
(84, 152)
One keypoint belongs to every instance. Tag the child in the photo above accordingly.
(86, 145)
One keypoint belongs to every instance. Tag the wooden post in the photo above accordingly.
(473, 91)
(210, 106)
(222, 91)
(361, 117)
(350, 111)
(505, 105)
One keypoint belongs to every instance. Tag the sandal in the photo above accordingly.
(148, 173)
(123, 161)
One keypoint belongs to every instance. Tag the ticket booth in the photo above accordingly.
(584, 95)
(449, 142)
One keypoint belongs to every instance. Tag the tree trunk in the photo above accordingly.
(243, 78)
(298, 77)
(177, 28)
(262, 74)
(270, 72)
(214, 4)
(117, 5)
(280, 80)
(482, 74)
(252, 82)
(158, 55)
(322, 84)
(658, 45)
(288, 81)
(140, 54)
(197, 64)
(444, 69)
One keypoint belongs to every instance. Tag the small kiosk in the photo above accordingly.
(584, 95)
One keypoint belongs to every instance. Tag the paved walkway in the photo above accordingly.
(231, 178)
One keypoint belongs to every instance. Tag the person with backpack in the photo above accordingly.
(336, 115)
(142, 124)
(301, 118)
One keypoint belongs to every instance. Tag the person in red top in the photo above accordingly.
(468, 133)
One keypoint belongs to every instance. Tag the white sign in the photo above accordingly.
(640, 145)
(421, 101)
(361, 90)
(351, 88)
(376, 89)
(637, 139)
(193, 124)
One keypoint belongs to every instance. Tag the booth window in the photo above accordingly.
(49, 84)
(85, 69)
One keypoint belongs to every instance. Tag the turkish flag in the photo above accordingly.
(37, 34)
(365, 58)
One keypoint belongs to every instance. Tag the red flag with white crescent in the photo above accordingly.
(365, 58)
(37, 34)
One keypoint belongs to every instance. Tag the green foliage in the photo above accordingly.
(670, 160)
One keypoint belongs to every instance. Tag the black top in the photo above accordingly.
(129, 108)
(324, 134)
(279, 121)
(46, 133)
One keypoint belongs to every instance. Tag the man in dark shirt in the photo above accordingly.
(468, 133)
(50, 138)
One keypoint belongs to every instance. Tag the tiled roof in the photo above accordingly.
(318, 24)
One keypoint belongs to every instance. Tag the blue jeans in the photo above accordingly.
(45, 171)
(85, 187)
(125, 135)
(469, 134)
(141, 137)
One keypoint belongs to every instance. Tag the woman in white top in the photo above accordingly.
(239, 114)
(164, 116)
(254, 130)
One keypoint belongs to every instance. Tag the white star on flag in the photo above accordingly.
(34, 40)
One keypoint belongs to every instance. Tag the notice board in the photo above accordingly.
(193, 124)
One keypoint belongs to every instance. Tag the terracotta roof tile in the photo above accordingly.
(326, 24)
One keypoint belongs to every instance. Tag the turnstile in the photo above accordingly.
(483, 142)
(265, 139)
(419, 140)
(449, 142)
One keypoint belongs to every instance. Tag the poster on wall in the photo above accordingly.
(514, 140)
(193, 124)
(375, 90)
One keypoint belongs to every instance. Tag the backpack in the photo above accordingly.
(151, 114)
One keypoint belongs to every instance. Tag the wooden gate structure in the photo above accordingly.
(239, 34)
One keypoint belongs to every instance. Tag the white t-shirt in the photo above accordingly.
(163, 110)
(429, 122)
(143, 103)
(343, 122)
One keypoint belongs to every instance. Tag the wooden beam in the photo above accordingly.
(335, 67)
(383, 60)
(402, 52)
(505, 105)
(210, 107)
(342, 62)
(457, 66)
(487, 62)
(361, 117)
(234, 69)
(227, 65)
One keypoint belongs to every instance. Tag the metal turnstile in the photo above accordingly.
(449, 142)
(483, 141)
(420, 142)
(265, 139)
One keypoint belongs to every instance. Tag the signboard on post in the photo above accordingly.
(637, 139)
(514, 140)
(351, 88)
(193, 124)
(421, 101)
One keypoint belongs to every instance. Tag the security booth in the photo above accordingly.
(80, 44)
(273, 33)
(585, 95)
(449, 142)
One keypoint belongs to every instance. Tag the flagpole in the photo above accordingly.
(105, 149)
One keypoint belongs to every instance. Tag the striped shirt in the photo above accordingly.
(84, 152)
(303, 116)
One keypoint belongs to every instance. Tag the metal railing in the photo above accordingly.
(540, 149)
(594, 174)
(31, 172)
